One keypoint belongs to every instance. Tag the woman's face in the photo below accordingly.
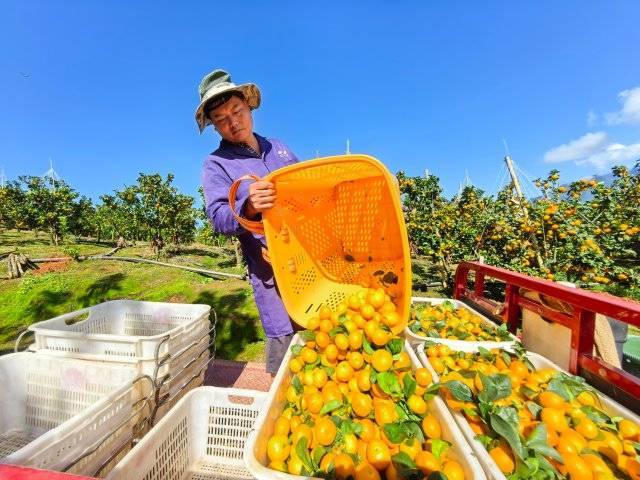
(232, 120)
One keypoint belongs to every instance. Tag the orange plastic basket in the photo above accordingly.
(336, 226)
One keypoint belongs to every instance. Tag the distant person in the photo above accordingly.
(228, 108)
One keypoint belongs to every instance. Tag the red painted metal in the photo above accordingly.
(581, 321)
(12, 472)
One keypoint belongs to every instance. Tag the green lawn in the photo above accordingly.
(39, 296)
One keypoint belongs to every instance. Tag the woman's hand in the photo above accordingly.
(262, 196)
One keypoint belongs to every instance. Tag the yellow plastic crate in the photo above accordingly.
(337, 223)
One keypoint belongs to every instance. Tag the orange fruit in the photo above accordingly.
(417, 404)
(385, 413)
(322, 340)
(380, 337)
(361, 404)
(554, 419)
(587, 428)
(342, 341)
(344, 466)
(426, 462)
(431, 427)
(328, 462)
(314, 402)
(326, 325)
(364, 380)
(356, 360)
(282, 426)
(366, 471)
(299, 432)
(628, 429)
(355, 340)
(324, 431)
(308, 355)
(331, 352)
(411, 447)
(596, 464)
(295, 365)
(369, 430)
(504, 458)
(453, 470)
(423, 377)
(403, 361)
(344, 371)
(320, 377)
(587, 398)
(279, 465)
(278, 448)
(551, 399)
(378, 454)
(519, 368)
(381, 360)
(575, 467)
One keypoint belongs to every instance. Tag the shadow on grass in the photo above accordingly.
(44, 306)
(235, 329)
(100, 290)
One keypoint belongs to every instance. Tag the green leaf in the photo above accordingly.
(307, 336)
(528, 392)
(336, 330)
(415, 327)
(546, 450)
(437, 476)
(296, 349)
(431, 391)
(506, 358)
(330, 406)
(459, 390)
(409, 385)
(438, 447)
(496, 387)
(297, 384)
(401, 458)
(485, 409)
(538, 434)
(509, 432)
(303, 454)
(389, 384)
(395, 345)
(413, 430)
(534, 408)
(395, 432)
(486, 354)
(485, 440)
(329, 370)
(366, 346)
(317, 454)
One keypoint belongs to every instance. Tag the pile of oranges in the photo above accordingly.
(536, 420)
(446, 321)
(354, 406)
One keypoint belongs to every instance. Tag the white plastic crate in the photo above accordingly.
(192, 376)
(54, 411)
(123, 330)
(201, 438)
(463, 345)
(256, 446)
(488, 464)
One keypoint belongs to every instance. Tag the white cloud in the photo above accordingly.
(592, 118)
(595, 149)
(577, 149)
(630, 112)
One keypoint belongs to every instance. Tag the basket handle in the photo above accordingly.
(250, 225)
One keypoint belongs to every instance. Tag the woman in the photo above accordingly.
(228, 107)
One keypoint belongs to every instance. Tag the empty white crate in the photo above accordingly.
(130, 332)
(53, 411)
(201, 438)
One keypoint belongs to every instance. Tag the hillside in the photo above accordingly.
(63, 287)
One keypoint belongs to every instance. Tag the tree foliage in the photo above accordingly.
(586, 231)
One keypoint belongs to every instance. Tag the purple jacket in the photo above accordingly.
(228, 163)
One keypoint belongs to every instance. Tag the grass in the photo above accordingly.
(73, 285)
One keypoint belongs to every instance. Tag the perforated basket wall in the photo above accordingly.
(201, 438)
(336, 224)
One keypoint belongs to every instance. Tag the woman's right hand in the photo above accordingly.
(262, 196)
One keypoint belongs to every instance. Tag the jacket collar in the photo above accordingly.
(243, 150)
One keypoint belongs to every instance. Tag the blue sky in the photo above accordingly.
(108, 89)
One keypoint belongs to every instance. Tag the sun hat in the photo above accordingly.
(218, 83)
